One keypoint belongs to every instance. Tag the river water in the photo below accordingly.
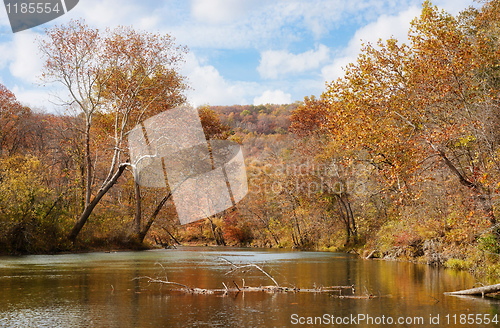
(109, 290)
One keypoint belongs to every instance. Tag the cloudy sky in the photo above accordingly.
(240, 51)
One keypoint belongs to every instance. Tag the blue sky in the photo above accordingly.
(240, 51)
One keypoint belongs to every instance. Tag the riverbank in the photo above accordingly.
(481, 264)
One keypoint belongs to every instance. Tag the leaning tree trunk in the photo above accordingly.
(90, 207)
(144, 231)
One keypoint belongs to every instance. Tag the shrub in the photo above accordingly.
(457, 264)
(489, 243)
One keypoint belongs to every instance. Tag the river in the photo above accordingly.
(110, 290)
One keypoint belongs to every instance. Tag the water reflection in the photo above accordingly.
(104, 289)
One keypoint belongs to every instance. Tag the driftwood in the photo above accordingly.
(343, 291)
(175, 287)
(240, 267)
(477, 291)
(237, 289)
(373, 254)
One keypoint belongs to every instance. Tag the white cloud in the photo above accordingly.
(229, 24)
(274, 63)
(211, 88)
(6, 54)
(234, 24)
(34, 98)
(273, 97)
(4, 19)
(110, 13)
(454, 7)
(220, 11)
(385, 27)
(26, 62)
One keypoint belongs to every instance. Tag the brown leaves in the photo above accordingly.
(309, 117)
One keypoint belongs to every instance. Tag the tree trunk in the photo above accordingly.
(172, 236)
(53, 205)
(477, 291)
(294, 239)
(300, 240)
(216, 233)
(90, 207)
(344, 214)
(220, 236)
(276, 239)
(142, 234)
(351, 215)
(82, 195)
(88, 164)
(138, 209)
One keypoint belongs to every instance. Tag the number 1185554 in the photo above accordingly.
(32, 8)
(471, 319)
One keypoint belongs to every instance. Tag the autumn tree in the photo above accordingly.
(14, 119)
(144, 82)
(413, 110)
(125, 74)
(212, 125)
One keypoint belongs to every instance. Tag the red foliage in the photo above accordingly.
(235, 230)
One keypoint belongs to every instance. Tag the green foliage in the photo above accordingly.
(27, 225)
(457, 264)
(489, 243)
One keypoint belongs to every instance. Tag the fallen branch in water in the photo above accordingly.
(163, 281)
(156, 280)
(240, 267)
(477, 291)
(343, 291)
(268, 289)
